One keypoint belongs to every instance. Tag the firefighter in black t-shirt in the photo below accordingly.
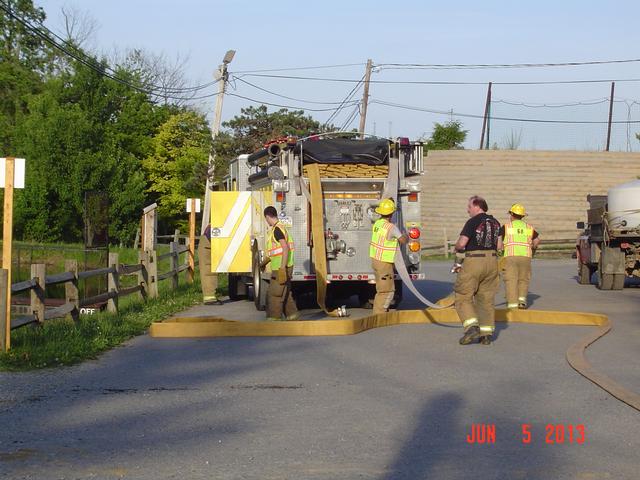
(478, 275)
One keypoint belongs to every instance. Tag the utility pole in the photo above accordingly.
(222, 77)
(365, 98)
(613, 87)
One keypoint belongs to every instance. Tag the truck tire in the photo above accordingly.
(260, 287)
(618, 281)
(584, 274)
(233, 287)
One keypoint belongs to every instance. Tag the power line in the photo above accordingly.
(302, 68)
(471, 115)
(442, 82)
(282, 106)
(45, 34)
(284, 96)
(552, 105)
(343, 104)
(477, 66)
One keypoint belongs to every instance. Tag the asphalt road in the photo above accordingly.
(392, 403)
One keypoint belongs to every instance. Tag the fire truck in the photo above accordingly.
(356, 173)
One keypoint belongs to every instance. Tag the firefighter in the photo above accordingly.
(384, 241)
(280, 249)
(519, 241)
(208, 280)
(478, 275)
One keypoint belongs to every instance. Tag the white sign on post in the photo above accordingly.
(189, 205)
(18, 177)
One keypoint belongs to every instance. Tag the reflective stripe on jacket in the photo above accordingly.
(275, 250)
(381, 248)
(518, 236)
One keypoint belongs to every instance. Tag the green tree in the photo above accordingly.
(83, 132)
(179, 149)
(24, 58)
(446, 136)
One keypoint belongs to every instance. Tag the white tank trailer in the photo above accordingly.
(609, 245)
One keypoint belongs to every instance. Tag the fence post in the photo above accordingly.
(152, 273)
(176, 235)
(192, 243)
(38, 272)
(71, 292)
(113, 283)
(173, 264)
(143, 278)
(4, 284)
(446, 243)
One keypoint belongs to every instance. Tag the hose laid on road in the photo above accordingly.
(198, 327)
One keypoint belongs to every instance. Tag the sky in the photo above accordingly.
(293, 34)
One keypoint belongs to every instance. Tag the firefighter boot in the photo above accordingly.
(470, 335)
(485, 340)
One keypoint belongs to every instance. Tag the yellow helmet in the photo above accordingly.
(386, 207)
(517, 209)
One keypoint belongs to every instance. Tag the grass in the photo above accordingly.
(63, 342)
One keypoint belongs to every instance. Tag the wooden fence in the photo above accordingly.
(147, 279)
(546, 247)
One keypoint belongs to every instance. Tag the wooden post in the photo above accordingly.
(7, 239)
(150, 227)
(143, 276)
(613, 87)
(446, 243)
(485, 118)
(71, 292)
(173, 264)
(176, 235)
(152, 273)
(191, 254)
(365, 98)
(4, 320)
(113, 283)
(38, 272)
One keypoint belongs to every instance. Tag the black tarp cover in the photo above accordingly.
(344, 150)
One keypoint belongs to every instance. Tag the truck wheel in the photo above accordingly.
(618, 281)
(605, 280)
(366, 296)
(584, 274)
(233, 287)
(260, 287)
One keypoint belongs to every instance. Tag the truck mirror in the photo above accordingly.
(580, 225)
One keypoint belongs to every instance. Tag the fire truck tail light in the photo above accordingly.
(414, 232)
(413, 197)
(414, 246)
(280, 197)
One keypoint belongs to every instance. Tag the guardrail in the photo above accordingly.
(147, 278)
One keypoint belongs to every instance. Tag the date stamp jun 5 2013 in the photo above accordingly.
(554, 434)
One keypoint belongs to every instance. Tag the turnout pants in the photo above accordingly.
(475, 291)
(385, 287)
(279, 297)
(517, 275)
(208, 280)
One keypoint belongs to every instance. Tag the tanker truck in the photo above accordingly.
(609, 245)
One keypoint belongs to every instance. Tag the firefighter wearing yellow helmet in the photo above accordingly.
(519, 240)
(385, 237)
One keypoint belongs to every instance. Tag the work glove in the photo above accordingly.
(457, 264)
(282, 276)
